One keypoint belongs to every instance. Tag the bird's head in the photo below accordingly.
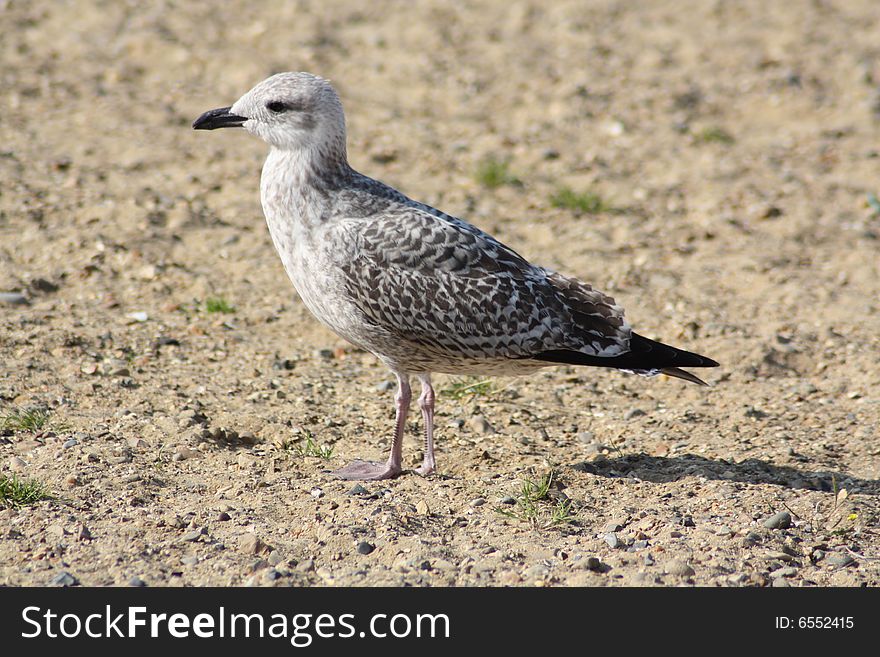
(290, 111)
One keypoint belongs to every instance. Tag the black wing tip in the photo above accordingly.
(644, 355)
(684, 375)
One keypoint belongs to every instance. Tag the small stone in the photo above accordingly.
(633, 413)
(136, 442)
(780, 582)
(13, 299)
(275, 558)
(82, 533)
(480, 424)
(611, 539)
(182, 452)
(253, 545)
(43, 285)
(306, 566)
(365, 548)
(612, 527)
(678, 568)
(422, 508)
(781, 520)
(223, 516)
(385, 386)
(478, 501)
(592, 563)
(271, 575)
(136, 581)
(536, 572)
(326, 354)
(259, 564)
(193, 535)
(586, 437)
(73, 442)
(56, 531)
(508, 500)
(357, 489)
(63, 578)
(17, 464)
(189, 560)
(317, 493)
(784, 572)
(840, 560)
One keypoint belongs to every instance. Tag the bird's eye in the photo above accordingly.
(277, 106)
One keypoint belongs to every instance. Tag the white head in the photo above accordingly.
(290, 111)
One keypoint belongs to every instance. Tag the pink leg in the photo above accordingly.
(426, 403)
(369, 470)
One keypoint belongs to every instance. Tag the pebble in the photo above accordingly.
(840, 560)
(365, 548)
(63, 578)
(358, 490)
(385, 386)
(73, 442)
(306, 566)
(317, 493)
(508, 500)
(633, 413)
(592, 563)
(586, 437)
(251, 544)
(183, 452)
(223, 516)
(780, 582)
(422, 508)
(13, 299)
(17, 464)
(612, 527)
(271, 575)
(190, 560)
(193, 535)
(536, 572)
(784, 572)
(275, 558)
(480, 424)
(478, 501)
(138, 316)
(781, 520)
(611, 539)
(136, 581)
(679, 568)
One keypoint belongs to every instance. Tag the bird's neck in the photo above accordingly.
(321, 165)
(297, 184)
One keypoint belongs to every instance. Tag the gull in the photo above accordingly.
(422, 290)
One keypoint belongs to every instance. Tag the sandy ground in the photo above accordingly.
(735, 148)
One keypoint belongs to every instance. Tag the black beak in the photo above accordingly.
(218, 118)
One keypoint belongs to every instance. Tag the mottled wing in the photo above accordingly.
(446, 288)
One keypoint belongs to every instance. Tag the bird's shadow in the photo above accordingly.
(662, 469)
